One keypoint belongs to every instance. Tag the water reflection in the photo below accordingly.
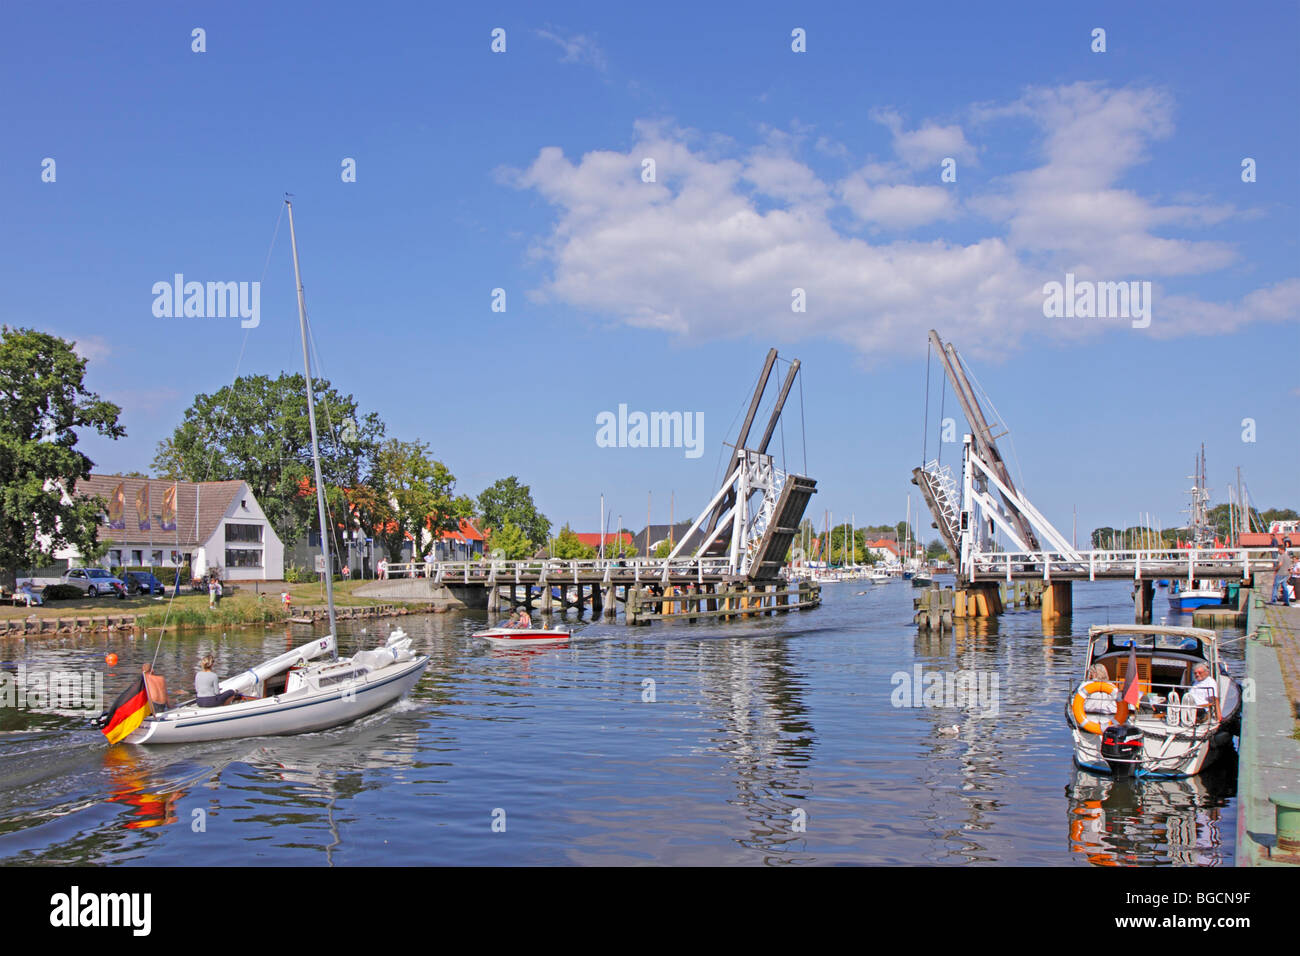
(1131, 822)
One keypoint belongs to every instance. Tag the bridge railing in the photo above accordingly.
(1164, 563)
(560, 571)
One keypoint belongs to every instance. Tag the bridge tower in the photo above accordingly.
(755, 514)
(969, 515)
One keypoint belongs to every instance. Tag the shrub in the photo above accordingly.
(61, 592)
(296, 575)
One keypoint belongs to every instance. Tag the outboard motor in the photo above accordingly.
(1121, 748)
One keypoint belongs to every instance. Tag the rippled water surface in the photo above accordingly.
(771, 741)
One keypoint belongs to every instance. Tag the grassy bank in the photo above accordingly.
(250, 603)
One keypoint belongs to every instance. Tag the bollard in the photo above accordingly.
(1288, 820)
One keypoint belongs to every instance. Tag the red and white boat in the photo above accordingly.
(522, 636)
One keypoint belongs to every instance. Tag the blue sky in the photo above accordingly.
(775, 170)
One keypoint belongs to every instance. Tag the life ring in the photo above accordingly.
(1085, 723)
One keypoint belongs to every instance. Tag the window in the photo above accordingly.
(137, 558)
(243, 558)
(243, 533)
(155, 558)
(115, 558)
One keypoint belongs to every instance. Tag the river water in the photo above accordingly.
(784, 740)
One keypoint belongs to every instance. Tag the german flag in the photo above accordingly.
(130, 708)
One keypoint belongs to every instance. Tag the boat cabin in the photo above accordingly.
(1166, 657)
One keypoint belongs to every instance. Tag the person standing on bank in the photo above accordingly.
(1281, 571)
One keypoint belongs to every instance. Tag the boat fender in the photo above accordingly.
(1173, 709)
(1084, 722)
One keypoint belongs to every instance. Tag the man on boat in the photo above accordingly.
(207, 688)
(1204, 693)
(156, 686)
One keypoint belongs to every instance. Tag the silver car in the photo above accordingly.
(94, 581)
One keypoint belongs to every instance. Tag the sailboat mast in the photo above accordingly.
(311, 417)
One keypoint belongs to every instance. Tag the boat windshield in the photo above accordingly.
(1182, 643)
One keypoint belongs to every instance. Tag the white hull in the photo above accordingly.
(508, 637)
(1164, 754)
(297, 712)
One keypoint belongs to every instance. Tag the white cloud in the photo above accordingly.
(716, 245)
(926, 145)
(577, 47)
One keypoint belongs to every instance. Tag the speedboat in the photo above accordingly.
(522, 636)
(294, 693)
(879, 576)
(1165, 735)
(1183, 598)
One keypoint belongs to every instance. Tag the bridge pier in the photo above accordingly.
(1057, 601)
(978, 599)
(611, 602)
(596, 604)
(1143, 598)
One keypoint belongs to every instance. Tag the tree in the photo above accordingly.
(506, 500)
(43, 400)
(257, 430)
(568, 547)
(419, 492)
(511, 541)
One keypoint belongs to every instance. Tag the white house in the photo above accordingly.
(209, 524)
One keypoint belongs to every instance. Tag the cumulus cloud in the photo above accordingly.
(717, 244)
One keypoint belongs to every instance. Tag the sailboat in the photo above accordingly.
(301, 690)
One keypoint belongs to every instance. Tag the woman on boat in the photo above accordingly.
(1098, 702)
(524, 620)
(207, 687)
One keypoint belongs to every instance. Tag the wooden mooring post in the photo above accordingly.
(934, 608)
(722, 601)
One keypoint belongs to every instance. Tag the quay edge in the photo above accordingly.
(1269, 756)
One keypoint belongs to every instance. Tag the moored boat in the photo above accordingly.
(1182, 598)
(1168, 733)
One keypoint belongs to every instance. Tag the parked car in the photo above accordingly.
(92, 581)
(142, 582)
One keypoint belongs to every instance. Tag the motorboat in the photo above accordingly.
(524, 636)
(1184, 598)
(294, 693)
(879, 576)
(1166, 734)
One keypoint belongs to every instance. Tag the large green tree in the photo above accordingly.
(506, 500)
(43, 401)
(257, 430)
(420, 492)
